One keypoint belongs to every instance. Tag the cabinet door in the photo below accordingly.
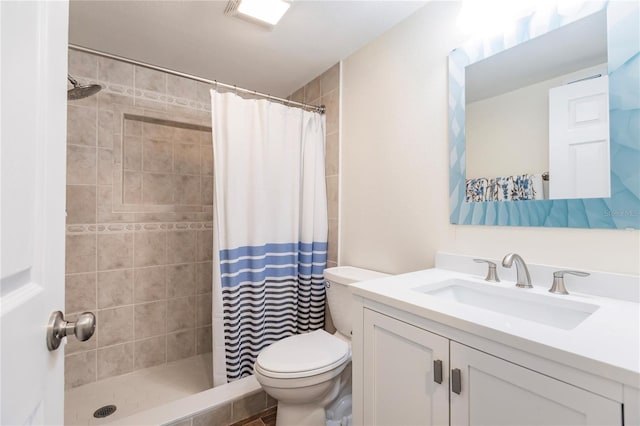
(400, 385)
(495, 392)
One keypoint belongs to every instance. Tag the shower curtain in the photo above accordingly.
(270, 228)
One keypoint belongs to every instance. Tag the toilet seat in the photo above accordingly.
(303, 355)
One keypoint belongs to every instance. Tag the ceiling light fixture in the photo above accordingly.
(258, 11)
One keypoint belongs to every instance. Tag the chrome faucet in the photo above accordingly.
(523, 279)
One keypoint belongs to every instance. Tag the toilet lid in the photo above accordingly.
(303, 355)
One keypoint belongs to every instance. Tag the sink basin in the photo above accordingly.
(519, 303)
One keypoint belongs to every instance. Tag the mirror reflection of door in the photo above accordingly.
(579, 164)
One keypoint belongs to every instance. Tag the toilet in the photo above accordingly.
(308, 372)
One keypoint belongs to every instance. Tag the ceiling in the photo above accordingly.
(195, 37)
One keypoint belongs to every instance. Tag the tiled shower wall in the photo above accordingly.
(325, 90)
(139, 211)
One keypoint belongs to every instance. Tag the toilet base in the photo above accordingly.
(300, 415)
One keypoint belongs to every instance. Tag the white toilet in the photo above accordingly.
(307, 372)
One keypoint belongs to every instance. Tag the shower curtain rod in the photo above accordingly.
(316, 108)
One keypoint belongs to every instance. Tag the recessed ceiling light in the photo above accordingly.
(260, 11)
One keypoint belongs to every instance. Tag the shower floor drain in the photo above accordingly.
(105, 411)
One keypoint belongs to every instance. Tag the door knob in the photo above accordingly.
(58, 328)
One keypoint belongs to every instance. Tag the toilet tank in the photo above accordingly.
(338, 280)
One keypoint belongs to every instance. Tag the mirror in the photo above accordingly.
(504, 114)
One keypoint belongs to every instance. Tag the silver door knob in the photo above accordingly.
(58, 328)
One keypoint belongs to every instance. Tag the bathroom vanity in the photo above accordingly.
(443, 346)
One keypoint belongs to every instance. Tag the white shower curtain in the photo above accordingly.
(270, 228)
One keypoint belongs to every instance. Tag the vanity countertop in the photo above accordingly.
(608, 341)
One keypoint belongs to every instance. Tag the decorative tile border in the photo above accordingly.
(118, 89)
(622, 209)
(113, 228)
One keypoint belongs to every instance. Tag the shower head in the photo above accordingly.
(80, 92)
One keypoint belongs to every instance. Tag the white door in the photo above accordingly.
(33, 68)
(406, 379)
(579, 165)
(495, 392)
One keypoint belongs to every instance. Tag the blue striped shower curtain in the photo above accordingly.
(270, 230)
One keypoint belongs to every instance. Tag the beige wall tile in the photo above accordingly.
(207, 191)
(108, 100)
(133, 127)
(81, 125)
(181, 345)
(330, 79)
(106, 128)
(158, 131)
(331, 101)
(203, 340)
(132, 187)
(249, 406)
(82, 64)
(206, 158)
(181, 87)
(115, 360)
(181, 280)
(115, 71)
(132, 153)
(181, 246)
(187, 190)
(332, 253)
(181, 313)
(81, 204)
(150, 319)
(150, 248)
(105, 195)
(157, 188)
(148, 79)
(115, 326)
(80, 292)
(80, 253)
(332, 197)
(312, 91)
(149, 284)
(332, 157)
(81, 165)
(204, 246)
(115, 251)
(105, 166)
(79, 369)
(204, 278)
(184, 135)
(298, 95)
(186, 159)
(150, 352)
(157, 156)
(216, 417)
(115, 288)
(203, 92)
(203, 309)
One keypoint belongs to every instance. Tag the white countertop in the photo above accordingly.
(609, 339)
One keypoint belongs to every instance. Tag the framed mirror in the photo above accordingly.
(506, 167)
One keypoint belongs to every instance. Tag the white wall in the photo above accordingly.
(520, 144)
(395, 177)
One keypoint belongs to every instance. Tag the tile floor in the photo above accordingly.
(266, 418)
(140, 390)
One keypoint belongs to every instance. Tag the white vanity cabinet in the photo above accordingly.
(400, 372)
(400, 384)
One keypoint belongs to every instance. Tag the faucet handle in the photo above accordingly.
(558, 280)
(492, 274)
